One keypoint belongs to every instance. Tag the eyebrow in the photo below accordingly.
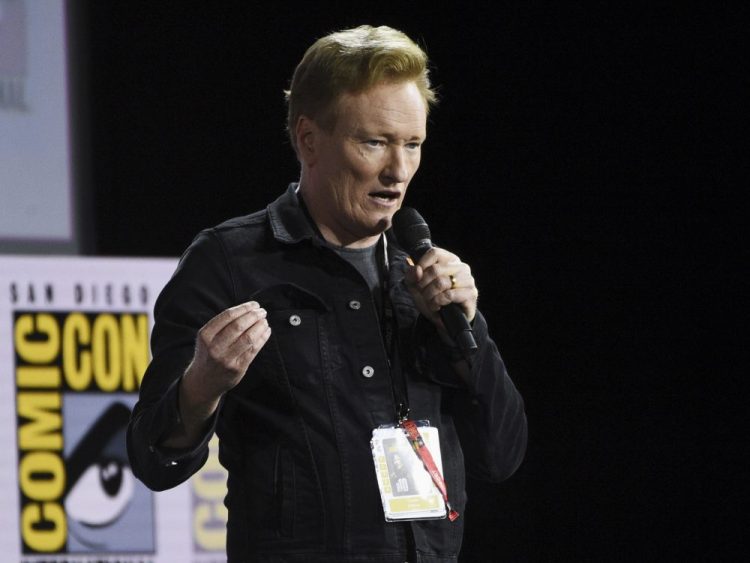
(363, 133)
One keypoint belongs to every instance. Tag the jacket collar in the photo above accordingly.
(289, 221)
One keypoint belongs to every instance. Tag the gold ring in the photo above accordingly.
(453, 281)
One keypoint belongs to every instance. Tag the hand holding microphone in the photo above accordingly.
(442, 286)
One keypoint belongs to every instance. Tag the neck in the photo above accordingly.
(333, 236)
(347, 242)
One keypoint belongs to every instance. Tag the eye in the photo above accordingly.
(100, 484)
(375, 143)
(101, 494)
(413, 145)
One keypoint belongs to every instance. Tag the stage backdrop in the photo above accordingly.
(74, 342)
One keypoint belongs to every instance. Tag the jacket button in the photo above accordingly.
(368, 371)
(355, 305)
(295, 320)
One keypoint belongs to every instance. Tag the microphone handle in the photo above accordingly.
(459, 329)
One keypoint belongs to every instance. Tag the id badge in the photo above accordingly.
(406, 487)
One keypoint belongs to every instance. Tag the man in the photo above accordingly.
(295, 332)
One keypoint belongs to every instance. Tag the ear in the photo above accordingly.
(306, 133)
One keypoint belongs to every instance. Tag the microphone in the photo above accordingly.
(413, 235)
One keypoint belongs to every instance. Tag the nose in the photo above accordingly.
(396, 170)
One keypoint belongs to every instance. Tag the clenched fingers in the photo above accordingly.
(226, 346)
(242, 331)
(441, 278)
(213, 327)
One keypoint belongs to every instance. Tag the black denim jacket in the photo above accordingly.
(295, 433)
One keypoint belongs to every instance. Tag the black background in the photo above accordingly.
(580, 160)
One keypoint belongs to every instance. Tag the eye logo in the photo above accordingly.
(107, 509)
(101, 485)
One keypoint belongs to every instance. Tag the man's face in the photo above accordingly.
(360, 171)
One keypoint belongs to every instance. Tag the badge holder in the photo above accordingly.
(410, 480)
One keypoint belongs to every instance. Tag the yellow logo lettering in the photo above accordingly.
(39, 377)
(134, 350)
(44, 527)
(42, 476)
(37, 338)
(42, 431)
(107, 352)
(77, 362)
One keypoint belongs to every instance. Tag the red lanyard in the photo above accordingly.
(424, 454)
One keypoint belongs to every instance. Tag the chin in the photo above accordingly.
(384, 223)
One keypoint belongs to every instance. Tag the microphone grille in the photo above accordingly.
(410, 228)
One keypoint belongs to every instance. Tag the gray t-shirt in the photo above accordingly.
(366, 262)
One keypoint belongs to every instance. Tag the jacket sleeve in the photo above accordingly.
(488, 411)
(200, 288)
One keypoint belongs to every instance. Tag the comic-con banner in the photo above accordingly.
(74, 344)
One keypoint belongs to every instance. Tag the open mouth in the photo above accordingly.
(386, 195)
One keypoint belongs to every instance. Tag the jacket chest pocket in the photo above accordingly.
(295, 316)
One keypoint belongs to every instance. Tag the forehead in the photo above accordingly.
(391, 107)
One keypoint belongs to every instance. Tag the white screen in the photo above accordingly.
(36, 192)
